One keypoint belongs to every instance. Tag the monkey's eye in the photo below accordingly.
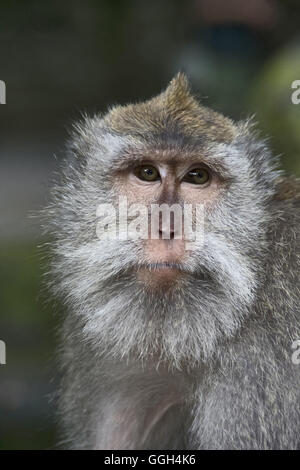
(147, 173)
(197, 176)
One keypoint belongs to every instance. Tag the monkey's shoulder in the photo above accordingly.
(286, 221)
(284, 231)
(288, 189)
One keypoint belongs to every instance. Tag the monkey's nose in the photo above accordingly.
(166, 234)
(166, 228)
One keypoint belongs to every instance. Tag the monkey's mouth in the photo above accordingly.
(160, 274)
(162, 266)
(167, 273)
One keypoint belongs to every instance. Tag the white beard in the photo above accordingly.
(124, 318)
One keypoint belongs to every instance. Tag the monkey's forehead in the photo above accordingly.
(174, 111)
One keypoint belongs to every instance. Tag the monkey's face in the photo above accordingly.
(171, 179)
(150, 295)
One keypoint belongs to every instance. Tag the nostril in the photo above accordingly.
(166, 234)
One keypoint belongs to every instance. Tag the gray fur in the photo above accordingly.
(214, 354)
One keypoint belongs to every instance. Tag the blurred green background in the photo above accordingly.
(61, 58)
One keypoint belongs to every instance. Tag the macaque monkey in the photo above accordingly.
(165, 347)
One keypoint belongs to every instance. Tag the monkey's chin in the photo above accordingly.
(160, 275)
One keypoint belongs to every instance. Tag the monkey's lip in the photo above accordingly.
(162, 266)
(160, 274)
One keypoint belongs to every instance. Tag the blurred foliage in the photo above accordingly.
(27, 326)
(271, 101)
